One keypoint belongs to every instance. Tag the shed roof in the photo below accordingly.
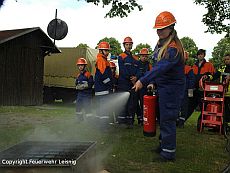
(8, 35)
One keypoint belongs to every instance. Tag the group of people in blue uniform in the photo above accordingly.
(167, 75)
(106, 81)
(134, 76)
(176, 83)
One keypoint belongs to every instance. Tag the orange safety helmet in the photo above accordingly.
(164, 19)
(144, 51)
(112, 64)
(128, 40)
(81, 61)
(186, 55)
(103, 45)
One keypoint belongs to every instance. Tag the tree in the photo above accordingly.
(119, 8)
(217, 16)
(190, 46)
(82, 45)
(114, 44)
(223, 47)
(216, 19)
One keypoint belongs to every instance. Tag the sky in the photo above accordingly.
(87, 23)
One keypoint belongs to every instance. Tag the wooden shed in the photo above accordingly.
(22, 53)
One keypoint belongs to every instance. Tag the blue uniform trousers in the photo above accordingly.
(142, 92)
(83, 101)
(170, 98)
(103, 113)
(126, 114)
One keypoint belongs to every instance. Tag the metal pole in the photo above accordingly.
(55, 28)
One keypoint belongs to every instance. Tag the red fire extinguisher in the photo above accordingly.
(149, 114)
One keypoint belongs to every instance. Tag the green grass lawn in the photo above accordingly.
(119, 150)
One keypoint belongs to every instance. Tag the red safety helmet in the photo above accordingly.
(144, 51)
(164, 19)
(186, 55)
(128, 40)
(112, 64)
(81, 61)
(103, 45)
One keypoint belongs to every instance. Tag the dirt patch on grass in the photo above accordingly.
(21, 119)
(36, 115)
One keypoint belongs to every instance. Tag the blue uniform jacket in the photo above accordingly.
(144, 67)
(103, 76)
(82, 78)
(190, 79)
(128, 66)
(115, 81)
(166, 71)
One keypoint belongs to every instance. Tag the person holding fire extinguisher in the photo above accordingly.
(168, 76)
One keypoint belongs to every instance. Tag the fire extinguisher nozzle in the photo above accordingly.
(149, 91)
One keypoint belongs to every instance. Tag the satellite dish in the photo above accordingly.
(57, 29)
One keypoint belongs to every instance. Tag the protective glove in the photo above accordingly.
(85, 85)
(79, 87)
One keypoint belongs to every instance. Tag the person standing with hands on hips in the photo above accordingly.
(168, 76)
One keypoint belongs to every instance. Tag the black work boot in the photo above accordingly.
(162, 159)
